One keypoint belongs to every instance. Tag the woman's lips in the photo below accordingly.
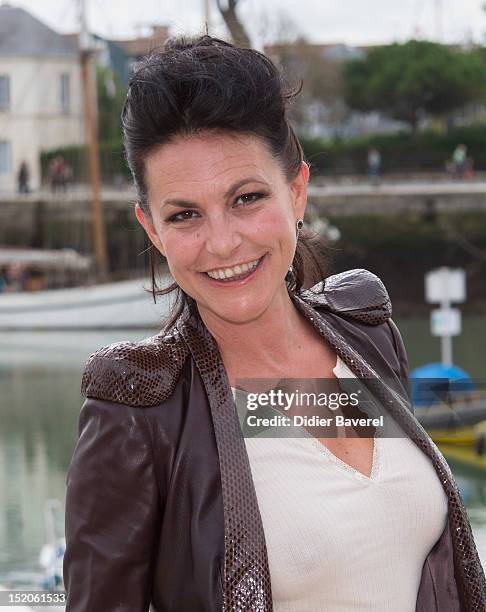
(239, 279)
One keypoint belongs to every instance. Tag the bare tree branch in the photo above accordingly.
(235, 26)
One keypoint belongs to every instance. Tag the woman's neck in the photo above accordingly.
(264, 346)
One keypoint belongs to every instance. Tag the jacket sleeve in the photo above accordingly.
(112, 511)
(402, 359)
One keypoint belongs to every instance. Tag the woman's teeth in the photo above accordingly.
(236, 271)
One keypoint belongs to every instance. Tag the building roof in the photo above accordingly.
(23, 34)
(331, 51)
(136, 47)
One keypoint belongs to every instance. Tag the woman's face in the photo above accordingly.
(219, 202)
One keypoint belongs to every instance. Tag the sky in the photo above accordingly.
(328, 21)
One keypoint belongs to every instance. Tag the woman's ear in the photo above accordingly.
(299, 190)
(147, 224)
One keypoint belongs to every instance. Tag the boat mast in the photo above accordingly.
(99, 235)
(207, 16)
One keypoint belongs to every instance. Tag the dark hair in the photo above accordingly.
(202, 84)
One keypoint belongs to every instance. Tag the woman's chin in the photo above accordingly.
(238, 311)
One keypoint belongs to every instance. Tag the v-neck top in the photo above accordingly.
(336, 539)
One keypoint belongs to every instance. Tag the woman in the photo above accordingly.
(167, 502)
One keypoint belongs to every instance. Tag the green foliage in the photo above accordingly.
(112, 161)
(402, 151)
(111, 97)
(417, 78)
(74, 155)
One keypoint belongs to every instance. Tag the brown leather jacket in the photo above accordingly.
(161, 507)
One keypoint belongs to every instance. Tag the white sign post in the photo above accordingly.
(443, 286)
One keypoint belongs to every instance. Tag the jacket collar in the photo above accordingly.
(355, 294)
(246, 573)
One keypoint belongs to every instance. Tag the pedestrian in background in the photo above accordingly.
(374, 165)
(58, 174)
(459, 161)
(23, 178)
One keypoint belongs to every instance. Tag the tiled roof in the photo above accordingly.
(23, 34)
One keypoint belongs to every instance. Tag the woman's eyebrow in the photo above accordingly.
(229, 193)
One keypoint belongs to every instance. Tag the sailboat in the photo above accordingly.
(121, 305)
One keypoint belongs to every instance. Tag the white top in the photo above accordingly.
(338, 541)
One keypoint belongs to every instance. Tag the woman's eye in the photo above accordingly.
(254, 196)
(180, 216)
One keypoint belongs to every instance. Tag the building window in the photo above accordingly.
(65, 92)
(4, 92)
(5, 157)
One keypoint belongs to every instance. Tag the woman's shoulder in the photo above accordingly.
(142, 373)
(360, 297)
(356, 294)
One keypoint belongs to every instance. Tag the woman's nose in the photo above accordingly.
(222, 238)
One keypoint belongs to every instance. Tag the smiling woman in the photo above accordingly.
(169, 502)
(216, 161)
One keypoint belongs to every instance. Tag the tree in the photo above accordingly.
(408, 81)
(233, 23)
(276, 27)
(321, 98)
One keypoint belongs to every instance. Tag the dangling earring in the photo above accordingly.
(298, 226)
(291, 277)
